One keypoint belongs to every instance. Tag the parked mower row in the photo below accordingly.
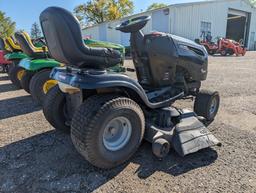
(107, 113)
(30, 65)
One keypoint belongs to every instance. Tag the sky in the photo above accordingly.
(26, 12)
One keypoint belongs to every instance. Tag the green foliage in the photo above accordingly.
(156, 6)
(253, 2)
(7, 26)
(35, 31)
(98, 11)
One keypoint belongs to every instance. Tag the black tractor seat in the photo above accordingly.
(64, 40)
(28, 47)
(12, 44)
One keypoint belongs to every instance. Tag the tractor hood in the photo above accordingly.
(179, 41)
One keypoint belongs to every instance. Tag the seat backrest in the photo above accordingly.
(27, 45)
(30, 43)
(26, 48)
(12, 45)
(63, 35)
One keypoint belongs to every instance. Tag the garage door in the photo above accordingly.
(238, 24)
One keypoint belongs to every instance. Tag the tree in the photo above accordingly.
(156, 6)
(253, 2)
(7, 26)
(35, 31)
(98, 11)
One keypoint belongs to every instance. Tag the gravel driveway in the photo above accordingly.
(34, 158)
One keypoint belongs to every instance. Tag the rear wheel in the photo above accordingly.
(25, 80)
(223, 52)
(212, 52)
(55, 109)
(37, 86)
(207, 104)
(107, 130)
(16, 74)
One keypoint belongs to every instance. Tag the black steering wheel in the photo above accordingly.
(134, 24)
(40, 40)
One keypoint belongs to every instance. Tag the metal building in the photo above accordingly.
(234, 19)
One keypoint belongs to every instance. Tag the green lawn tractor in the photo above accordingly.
(36, 69)
(13, 54)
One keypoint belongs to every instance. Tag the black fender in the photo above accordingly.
(92, 79)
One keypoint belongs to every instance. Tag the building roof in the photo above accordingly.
(196, 2)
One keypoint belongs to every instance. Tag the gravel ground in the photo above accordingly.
(35, 158)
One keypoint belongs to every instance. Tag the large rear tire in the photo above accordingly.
(16, 74)
(36, 86)
(207, 104)
(25, 80)
(54, 109)
(107, 130)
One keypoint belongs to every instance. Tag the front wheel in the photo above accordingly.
(107, 130)
(40, 85)
(55, 109)
(207, 104)
(211, 52)
(223, 52)
(16, 73)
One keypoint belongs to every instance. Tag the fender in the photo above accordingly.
(102, 79)
(38, 64)
(15, 56)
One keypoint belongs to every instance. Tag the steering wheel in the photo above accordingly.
(134, 24)
(40, 40)
(241, 42)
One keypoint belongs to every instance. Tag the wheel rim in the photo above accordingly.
(48, 85)
(213, 106)
(20, 74)
(117, 133)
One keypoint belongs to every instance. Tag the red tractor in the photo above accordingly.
(3, 62)
(230, 47)
(224, 46)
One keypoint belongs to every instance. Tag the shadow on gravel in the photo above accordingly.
(7, 87)
(173, 164)
(17, 106)
(4, 78)
(48, 162)
(220, 56)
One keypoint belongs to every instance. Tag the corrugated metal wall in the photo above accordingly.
(183, 20)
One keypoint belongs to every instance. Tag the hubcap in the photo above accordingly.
(117, 133)
(48, 85)
(20, 74)
(213, 106)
